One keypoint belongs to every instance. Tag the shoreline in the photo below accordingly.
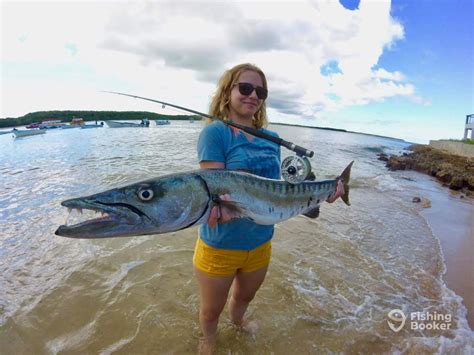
(449, 215)
(452, 170)
(449, 219)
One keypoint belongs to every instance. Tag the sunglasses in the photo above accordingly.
(246, 89)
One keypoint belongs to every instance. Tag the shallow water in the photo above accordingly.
(330, 285)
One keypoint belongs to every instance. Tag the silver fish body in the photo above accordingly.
(178, 201)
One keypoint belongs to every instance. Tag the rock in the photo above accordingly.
(425, 203)
(416, 200)
(453, 171)
(462, 196)
(456, 183)
(396, 163)
(470, 182)
(383, 157)
(444, 175)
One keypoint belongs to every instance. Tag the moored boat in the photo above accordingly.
(161, 122)
(51, 123)
(116, 124)
(70, 126)
(25, 133)
(86, 126)
(77, 121)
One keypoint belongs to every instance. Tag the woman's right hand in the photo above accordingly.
(220, 214)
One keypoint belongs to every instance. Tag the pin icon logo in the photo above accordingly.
(398, 316)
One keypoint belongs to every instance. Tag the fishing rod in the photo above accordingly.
(294, 169)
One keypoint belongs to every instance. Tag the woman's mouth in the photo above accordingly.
(252, 104)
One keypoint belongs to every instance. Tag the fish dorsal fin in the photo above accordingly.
(312, 213)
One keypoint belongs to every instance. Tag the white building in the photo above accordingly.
(469, 126)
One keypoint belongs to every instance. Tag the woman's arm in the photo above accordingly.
(218, 214)
(206, 164)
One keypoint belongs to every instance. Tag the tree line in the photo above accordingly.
(67, 116)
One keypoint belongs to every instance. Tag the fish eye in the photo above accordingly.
(145, 194)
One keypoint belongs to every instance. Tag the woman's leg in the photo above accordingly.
(246, 285)
(213, 292)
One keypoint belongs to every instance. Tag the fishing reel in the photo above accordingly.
(295, 169)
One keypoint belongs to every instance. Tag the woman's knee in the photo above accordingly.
(210, 314)
(241, 297)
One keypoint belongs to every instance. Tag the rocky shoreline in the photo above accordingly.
(453, 171)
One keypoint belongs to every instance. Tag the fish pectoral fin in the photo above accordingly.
(234, 209)
(312, 213)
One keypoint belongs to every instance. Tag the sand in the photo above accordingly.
(451, 220)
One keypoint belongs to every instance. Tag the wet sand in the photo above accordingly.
(451, 220)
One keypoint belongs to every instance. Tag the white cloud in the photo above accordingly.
(176, 51)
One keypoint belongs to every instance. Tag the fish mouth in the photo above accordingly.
(116, 219)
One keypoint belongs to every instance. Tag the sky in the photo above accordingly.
(395, 68)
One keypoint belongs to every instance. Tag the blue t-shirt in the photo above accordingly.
(259, 156)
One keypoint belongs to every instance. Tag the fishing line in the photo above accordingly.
(295, 169)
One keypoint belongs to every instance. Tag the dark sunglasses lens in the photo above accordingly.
(247, 89)
(261, 93)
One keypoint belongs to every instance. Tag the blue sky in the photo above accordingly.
(400, 68)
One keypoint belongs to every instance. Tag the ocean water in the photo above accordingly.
(331, 283)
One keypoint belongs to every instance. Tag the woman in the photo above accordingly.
(235, 251)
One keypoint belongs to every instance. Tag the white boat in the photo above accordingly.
(92, 126)
(116, 124)
(70, 126)
(162, 122)
(25, 133)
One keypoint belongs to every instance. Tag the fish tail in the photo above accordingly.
(345, 177)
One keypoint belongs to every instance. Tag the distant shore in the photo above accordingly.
(67, 116)
(338, 130)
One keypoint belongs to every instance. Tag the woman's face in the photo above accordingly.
(244, 107)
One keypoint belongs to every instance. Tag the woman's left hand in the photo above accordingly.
(338, 193)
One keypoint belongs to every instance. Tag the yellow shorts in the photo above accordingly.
(226, 262)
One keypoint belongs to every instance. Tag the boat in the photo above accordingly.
(25, 133)
(70, 126)
(76, 121)
(86, 126)
(51, 123)
(116, 124)
(5, 132)
(162, 122)
(33, 125)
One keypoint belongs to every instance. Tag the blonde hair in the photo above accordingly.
(220, 101)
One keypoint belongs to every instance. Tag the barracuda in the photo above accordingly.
(178, 201)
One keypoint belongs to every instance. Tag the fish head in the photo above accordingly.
(149, 207)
